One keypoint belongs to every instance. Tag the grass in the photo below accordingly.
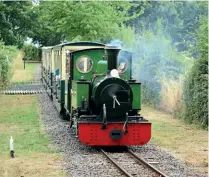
(19, 73)
(186, 142)
(33, 157)
(19, 118)
(171, 95)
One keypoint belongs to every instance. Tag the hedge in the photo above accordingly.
(7, 53)
(196, 84)
(31, 52)
(196, 94)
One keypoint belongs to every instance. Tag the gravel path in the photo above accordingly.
(80, 160)
(83, 161)
(166, 162)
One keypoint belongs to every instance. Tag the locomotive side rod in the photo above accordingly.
(115, 163)
(143, 162)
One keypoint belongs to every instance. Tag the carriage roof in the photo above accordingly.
(47, 48)
(79, 45)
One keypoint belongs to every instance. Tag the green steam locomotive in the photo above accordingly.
(91, 85)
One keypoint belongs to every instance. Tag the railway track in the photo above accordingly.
(24, 88)
(131, 165)
(22, 92)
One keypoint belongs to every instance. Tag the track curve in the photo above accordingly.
(133, 165)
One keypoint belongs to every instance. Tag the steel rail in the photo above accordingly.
(143, 162)
(22, 92)
(115, 163)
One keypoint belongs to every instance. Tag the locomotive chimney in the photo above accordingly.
(112, 57)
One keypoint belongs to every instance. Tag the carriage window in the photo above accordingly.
(84, 64)
(122, 66)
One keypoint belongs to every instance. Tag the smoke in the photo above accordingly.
(124, 54)
(154, 60)
(116, 42)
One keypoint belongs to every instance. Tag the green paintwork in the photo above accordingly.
(95, 54)
(58, 94)
(102, 67)
(136, 88)
(62, 89)
(79, 91)
(51, 83)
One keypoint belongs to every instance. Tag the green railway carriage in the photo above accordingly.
(91, 85)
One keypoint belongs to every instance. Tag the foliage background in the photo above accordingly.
(168, 40)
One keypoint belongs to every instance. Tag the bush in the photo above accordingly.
(31, 52)
(196, 94)
(6, 55)
(4, 69)
(196, 84)
(151, 93)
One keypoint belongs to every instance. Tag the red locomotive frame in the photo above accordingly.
(91, 134)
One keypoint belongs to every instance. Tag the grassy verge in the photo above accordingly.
(19, 117)
(185, 141)
(19, 73)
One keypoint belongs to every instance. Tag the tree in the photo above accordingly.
(15, 22)
(75, 21)
(179, 20)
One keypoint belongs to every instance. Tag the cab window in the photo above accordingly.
(84, 64)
